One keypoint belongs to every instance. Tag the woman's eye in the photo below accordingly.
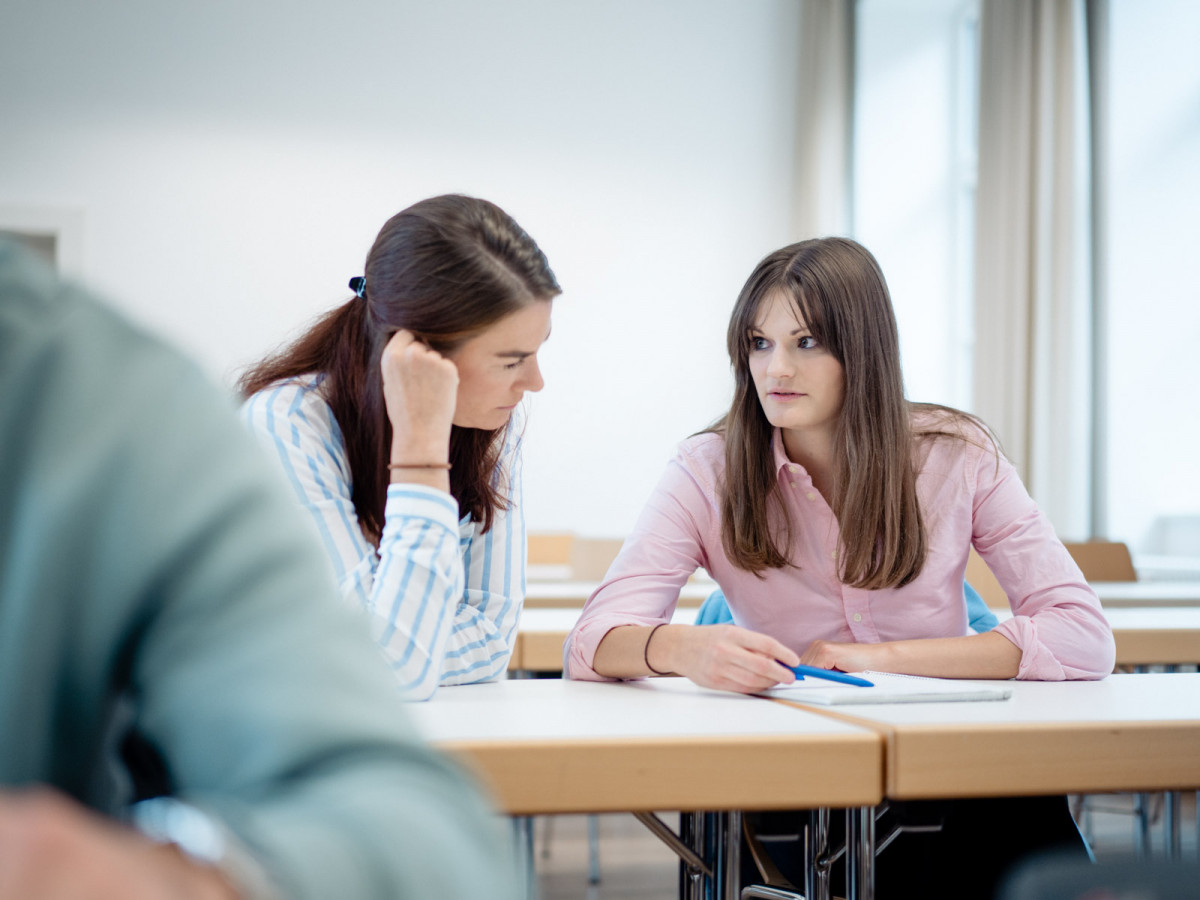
(513, 365)
(808, 342)
(758, 343)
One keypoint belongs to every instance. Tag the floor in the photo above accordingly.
(635, 865)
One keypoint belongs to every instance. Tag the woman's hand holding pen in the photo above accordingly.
(724, 657)
(420, 390)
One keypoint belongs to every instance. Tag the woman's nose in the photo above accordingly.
(533, 379)
(779, 364)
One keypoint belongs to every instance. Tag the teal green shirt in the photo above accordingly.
(149, 560)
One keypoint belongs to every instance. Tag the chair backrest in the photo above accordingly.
(550, 548)
(1103, 560)
(591, 557)
(980, 577)
(1057, 876)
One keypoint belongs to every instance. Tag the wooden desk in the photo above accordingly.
(555, 746)
(1125, 733)
(1148, 636)
(1115, 594)
(1144, 635)
(564, 594)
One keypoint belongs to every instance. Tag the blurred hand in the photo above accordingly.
(51, 848)
(420, 389)
(725, 657)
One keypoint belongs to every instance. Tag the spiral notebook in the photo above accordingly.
(889, 687)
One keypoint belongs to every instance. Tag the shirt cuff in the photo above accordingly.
(416, 501)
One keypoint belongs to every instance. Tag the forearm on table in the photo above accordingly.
(973, 656)
(622, 652)
(481, 640)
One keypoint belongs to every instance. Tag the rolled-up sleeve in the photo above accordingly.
(1057, 620)
(642, 585)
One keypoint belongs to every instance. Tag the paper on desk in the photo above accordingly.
(890, 688)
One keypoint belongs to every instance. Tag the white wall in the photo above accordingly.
(232, 162)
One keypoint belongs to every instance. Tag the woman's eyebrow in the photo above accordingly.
(521, 354)
(754, 329)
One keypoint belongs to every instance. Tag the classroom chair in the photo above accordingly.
(1098, 560)
(715, 610)
(591, 557)
(1052, 878)
(550, 548)
(1103, 560)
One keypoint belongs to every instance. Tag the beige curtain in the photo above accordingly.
(1032, 316)
(824, 120)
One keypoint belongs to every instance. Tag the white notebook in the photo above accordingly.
(889, 687)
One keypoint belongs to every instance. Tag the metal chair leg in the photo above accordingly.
(593, 830)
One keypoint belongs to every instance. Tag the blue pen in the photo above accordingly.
(829, 675)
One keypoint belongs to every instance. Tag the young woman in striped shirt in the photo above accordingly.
(396, 420)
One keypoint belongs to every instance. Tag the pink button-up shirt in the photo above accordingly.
(968, 497)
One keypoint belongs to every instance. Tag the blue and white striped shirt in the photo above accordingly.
(443, 599)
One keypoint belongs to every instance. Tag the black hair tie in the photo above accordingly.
(358, 284)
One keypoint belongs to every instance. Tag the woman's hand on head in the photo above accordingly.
(726, 657)
(846, 657)
(420, 390)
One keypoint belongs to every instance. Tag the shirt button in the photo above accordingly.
(811, 495)
(793, 468)
(858, 617)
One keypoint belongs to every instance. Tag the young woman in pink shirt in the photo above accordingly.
(837, 518)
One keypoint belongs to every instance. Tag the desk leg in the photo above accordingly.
(816, 850)
(522, 830)
(1172, 823)
(860, 853)
(1141, 810)
(729, 863)
(693, 883)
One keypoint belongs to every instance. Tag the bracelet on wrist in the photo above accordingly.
(428, 465)
(646, 650)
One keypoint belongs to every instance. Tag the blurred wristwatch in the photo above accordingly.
(205, 840)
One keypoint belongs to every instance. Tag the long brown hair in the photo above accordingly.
(840, 294)
(445, 268)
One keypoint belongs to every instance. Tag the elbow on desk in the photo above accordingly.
(1061, 650)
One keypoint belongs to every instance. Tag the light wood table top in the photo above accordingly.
(1160, 635)
(1115, 594)
(555, 746)
(564, 594)
(1124, 733)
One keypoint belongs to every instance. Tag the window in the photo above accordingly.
(1151, 373)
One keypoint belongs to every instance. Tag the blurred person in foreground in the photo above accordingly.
(160, 603)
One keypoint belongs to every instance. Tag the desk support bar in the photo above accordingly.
(672, 840)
